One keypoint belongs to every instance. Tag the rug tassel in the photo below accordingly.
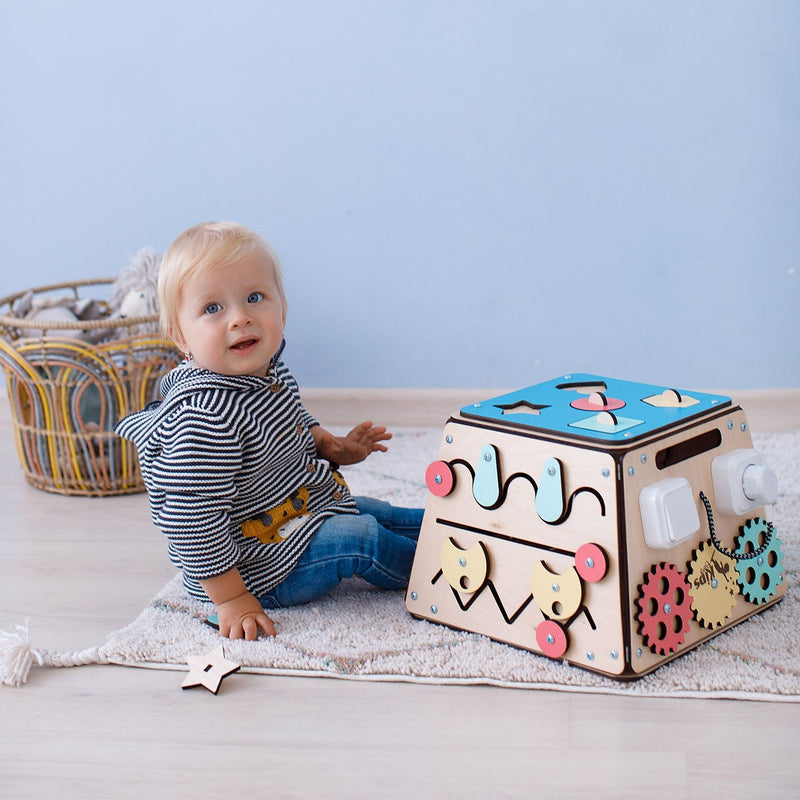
(17, 656)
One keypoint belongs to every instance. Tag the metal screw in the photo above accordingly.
(551, 639)
(462, 562)
(555, 587)
(590, 655)
(631, 471)
(437, 478)
(551, 470)
(730, 424)
(639, 652)
(448, 439)
(614, 654)
(414, 595)
(643, 458)
(605, 472)
(434, 610)
(590, 562)
(714, 583)
(743, 427)
(476, 405)
(487, 456)
(760, 561)
(667, 608)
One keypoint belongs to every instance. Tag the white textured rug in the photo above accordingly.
(362, 634)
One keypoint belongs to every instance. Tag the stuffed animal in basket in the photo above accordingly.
(61, 309)
(135, 292)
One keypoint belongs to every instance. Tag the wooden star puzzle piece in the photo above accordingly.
(209, 670)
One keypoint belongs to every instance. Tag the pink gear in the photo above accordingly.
(665, 608)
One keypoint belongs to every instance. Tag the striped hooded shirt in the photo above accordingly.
(219, 450)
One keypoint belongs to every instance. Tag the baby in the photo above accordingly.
(242, 480)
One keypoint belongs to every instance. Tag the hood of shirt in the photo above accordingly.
(177, 386)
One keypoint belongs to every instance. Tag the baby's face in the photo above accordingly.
(231, 317)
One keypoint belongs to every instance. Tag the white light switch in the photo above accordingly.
(669, 513)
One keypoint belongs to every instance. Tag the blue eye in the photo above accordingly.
(255, 297)
(212, 308)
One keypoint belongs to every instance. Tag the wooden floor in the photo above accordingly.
(79, 568)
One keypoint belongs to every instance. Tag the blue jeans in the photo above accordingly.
(378, 544)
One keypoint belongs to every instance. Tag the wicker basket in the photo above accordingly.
(67, 395)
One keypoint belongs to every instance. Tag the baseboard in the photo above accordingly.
(767, 410)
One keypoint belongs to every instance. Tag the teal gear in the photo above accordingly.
(759, 577)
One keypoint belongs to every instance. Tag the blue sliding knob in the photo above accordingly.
(486, 485)
(550, 494)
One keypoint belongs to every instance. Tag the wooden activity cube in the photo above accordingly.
(611, 524)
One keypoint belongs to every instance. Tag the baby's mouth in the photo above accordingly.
(244, 344)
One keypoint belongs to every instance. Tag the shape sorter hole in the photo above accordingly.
(750, 575)
(597, 401)
(583, 387)
(464, 583)
(677, 624)
(772, 558)
(557, 609)
(764, 581)
(661, 631)
(663, 586)
(522, 407)
(678, 596)
(652, 607)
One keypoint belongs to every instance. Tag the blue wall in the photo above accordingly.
(463, 193)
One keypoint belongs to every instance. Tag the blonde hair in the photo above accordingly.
(201, 248)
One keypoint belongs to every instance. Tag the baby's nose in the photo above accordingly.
(240, 317)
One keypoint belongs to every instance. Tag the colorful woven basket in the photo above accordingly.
(67, 395)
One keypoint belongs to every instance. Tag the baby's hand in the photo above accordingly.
(356, 446)
(241, 618)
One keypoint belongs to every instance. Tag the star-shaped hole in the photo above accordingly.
(522, 407)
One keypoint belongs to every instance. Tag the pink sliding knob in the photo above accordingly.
(551, 638)
(440, 478)
(590, 562)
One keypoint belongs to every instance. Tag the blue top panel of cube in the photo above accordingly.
(595, 408)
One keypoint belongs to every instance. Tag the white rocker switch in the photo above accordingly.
(669, 513)
(742, 482)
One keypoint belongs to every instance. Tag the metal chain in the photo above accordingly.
(724, 550)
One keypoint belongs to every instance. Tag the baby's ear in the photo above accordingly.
(177, 338)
